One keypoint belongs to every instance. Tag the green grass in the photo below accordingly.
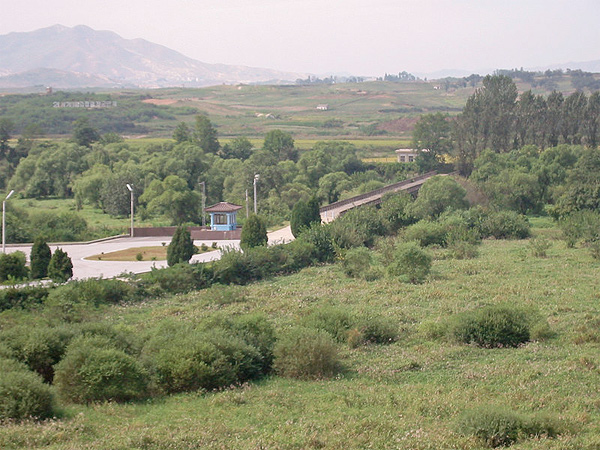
(405, 395)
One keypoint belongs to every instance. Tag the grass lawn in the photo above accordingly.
(405, 395)
(156, 253)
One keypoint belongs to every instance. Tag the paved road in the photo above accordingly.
(86, 268)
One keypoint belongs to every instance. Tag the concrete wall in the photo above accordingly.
(197, 233)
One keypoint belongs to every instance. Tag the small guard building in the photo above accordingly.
(223, 216)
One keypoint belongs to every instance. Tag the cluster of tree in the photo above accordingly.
(167, 177)
(402, 77)
(57, 266)
(497, 118)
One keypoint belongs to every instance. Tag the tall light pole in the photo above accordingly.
(256, 178)
(130, 188)
(203, 183)
(4, 221)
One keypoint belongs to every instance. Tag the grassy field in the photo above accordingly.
(406, 395)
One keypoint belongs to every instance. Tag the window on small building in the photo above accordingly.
(402, 158)
(411, 158)
(220, 219)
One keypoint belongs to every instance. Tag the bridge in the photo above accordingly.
(334, 210)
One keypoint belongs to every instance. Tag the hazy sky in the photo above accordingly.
(361, 37)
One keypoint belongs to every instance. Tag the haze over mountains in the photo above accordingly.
(81, 57)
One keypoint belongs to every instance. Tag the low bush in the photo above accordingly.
(182, 359)
(94, 292)
(93, 370)
(356, 262)
(177, 279)
(23, 297)
(504, 225)
(334, 320)
(23, 394)
(492, 326)
(40, 347)
(500, 427)
(426, 233)
(306, 353)
(497, 427)
(320, 237)
(377, 330)
(411, 264)
(462, 250)
(580, 226)
(539, 246)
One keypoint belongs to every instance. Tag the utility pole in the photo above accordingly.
(130, 188)
(4, 221)
(256, 178)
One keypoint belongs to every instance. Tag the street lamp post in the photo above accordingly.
(203, 183)
(130, 188)
(256, 178)
(4, 221)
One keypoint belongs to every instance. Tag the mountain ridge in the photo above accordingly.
(104, 54)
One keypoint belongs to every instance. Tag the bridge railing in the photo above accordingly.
(389, 188)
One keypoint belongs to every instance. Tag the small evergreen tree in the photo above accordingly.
(181, 247)
(40, 258)
(254, 233)
(60, 268)
(304, 215)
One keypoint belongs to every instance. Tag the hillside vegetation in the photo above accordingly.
(415, 390)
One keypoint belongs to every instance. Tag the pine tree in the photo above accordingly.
(60, 268)
(40, 258)
(181, 247)
(304, 215)
(254, 233)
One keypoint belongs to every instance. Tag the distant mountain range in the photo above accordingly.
(79, 57)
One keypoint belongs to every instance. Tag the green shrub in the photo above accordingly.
(411, 263)
(300, 254)
(60, 268)
(426, 233)
(492, 326)
(181, 248)
(580, 226)
(377, 330)
(334, 320)
(182, 359)
(539, 246)
(321, 238)
(176, 279)
(504, 225)
(306, 353)
(500, 427)
(12, 266)
(235, 267)
(358, 227)
(394, 211)
(40, 347)
(356, 262)
(437, 195)
(40, 258)
(94, 292)
(303, 215)
(254, 233)
(23, 394)
(92, 370)
(495, 426)
(22, 297)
